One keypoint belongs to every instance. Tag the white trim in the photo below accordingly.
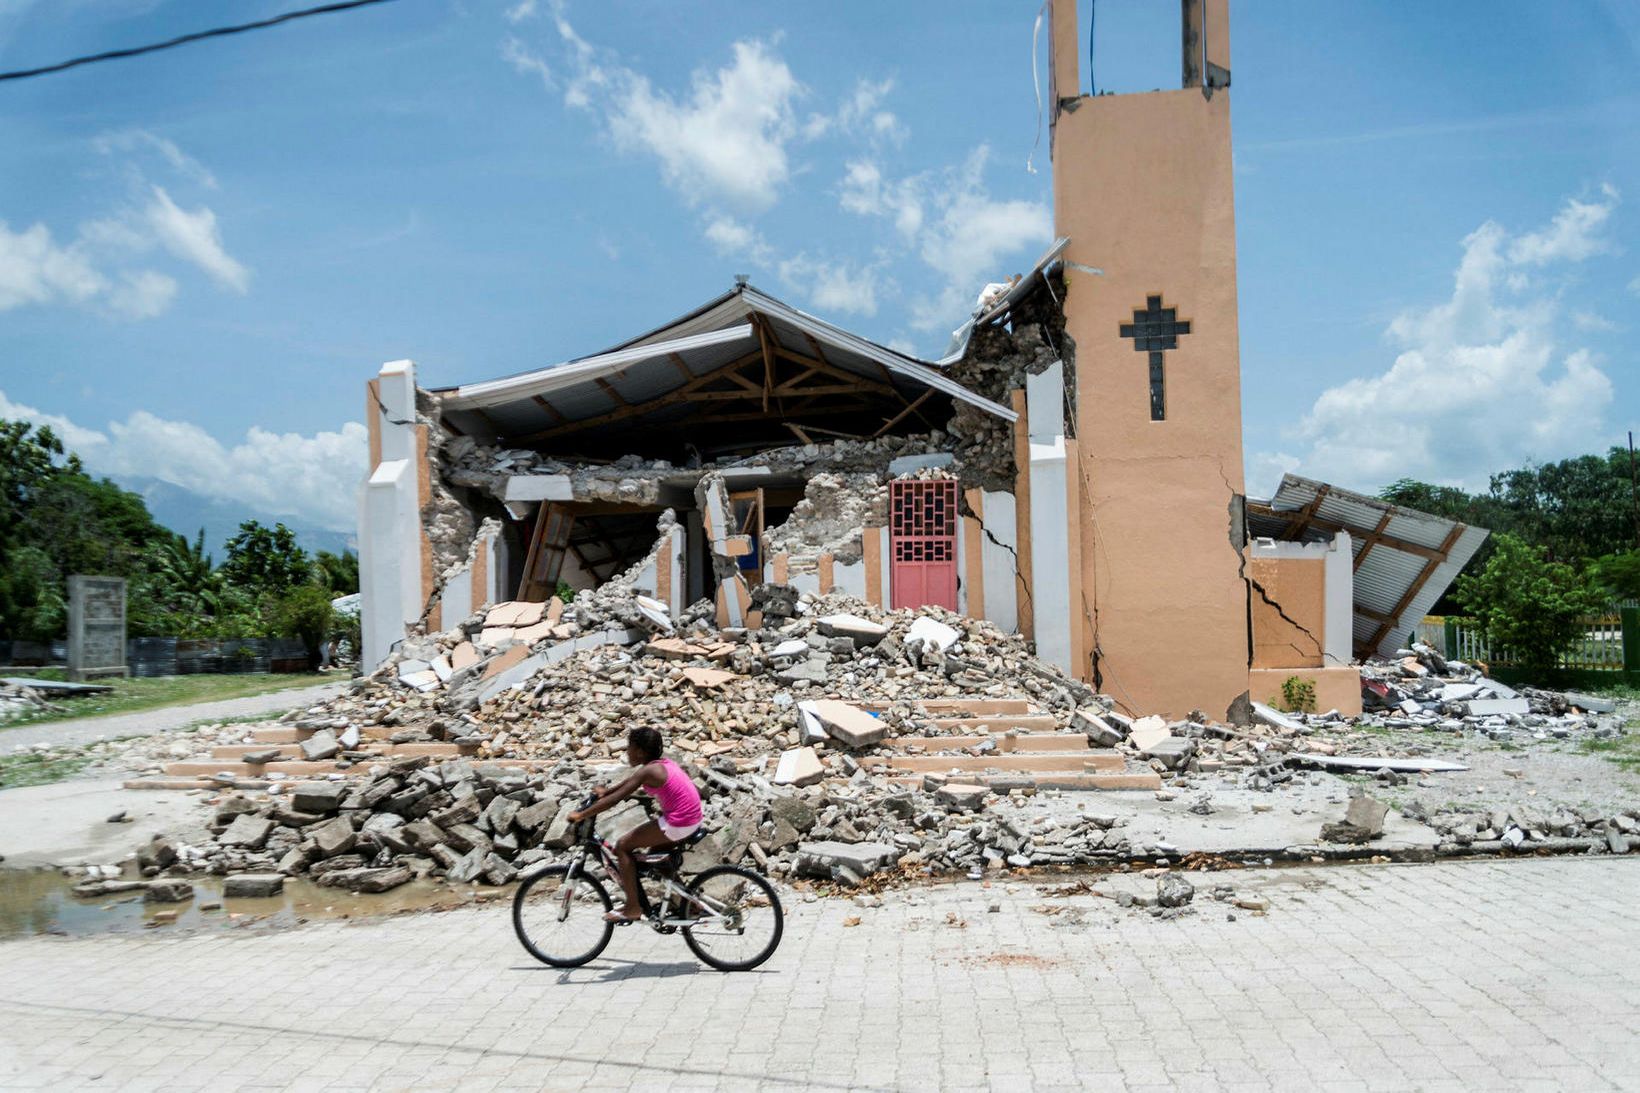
(553, 378)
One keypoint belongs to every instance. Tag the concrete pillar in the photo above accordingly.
(390, 534)
(1338, 637)
(1050, 528)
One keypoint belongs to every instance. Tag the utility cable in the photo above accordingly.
(216, 32)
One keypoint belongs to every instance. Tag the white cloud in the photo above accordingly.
(732, 238)
(137, 140)
(1572, 236)
(861, 115)
(1634, 286)
(968, 242)
(864, 191)
(725, 139)
(142, 294)
(1588, 320)
(34, 269)
(309, 478)
(524, 9)
(835, 287)
(193, 237)
(1481, 381)
(519, 56)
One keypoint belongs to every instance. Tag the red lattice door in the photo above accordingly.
(922, 543)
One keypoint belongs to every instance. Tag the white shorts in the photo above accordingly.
(677, 834)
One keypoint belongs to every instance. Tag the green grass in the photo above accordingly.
(36, 770)
(1623, 750)
(135, 695)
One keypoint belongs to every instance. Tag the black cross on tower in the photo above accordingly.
(1154, 330)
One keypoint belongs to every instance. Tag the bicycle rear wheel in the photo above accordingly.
(561, 922)
(739, 918)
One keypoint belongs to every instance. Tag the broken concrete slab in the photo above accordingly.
(1099, 731)
(932, 633)
(708, 679)
(253, 885)
(656, 613)
(863, 631)
(850, 862)
(1275, 718)
(1172, 752)
(319, 797)
(1486, 707)
(1148, 731)
(1401, 764)
(799, 767)
(247, 832)
(1590, 703)
(1367, 813)
(849, 724)
(320, 746)
(962, 797)
(168, 891)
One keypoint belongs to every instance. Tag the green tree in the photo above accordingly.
(1619, 575)
(1576, 508)
(265, 561)
(337, 572)
(304, 612)
(1528, 603)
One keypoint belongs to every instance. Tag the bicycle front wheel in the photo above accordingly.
(738, 918)
(561, 921)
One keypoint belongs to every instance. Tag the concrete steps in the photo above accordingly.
(1058, 741)
(997, 723)
(1029, 763)
(294, 751)
(1104, 780)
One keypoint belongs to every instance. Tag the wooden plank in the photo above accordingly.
(627, 410)
(1372, 540)
(910, 408)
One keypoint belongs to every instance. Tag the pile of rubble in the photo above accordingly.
(779, 726)
(17, 700)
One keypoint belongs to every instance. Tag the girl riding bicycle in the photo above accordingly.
(680, 810)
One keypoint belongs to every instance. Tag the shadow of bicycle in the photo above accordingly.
(615, 970)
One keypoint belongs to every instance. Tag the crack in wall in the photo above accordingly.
(1019, 586)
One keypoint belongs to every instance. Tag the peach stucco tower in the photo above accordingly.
(1143, 190)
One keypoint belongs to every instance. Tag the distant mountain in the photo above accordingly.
(185, 512)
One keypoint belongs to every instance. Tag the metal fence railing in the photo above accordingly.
(1610, 642)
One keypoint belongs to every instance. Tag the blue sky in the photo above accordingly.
(206, 252)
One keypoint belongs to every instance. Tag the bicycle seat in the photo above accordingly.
(670, 854)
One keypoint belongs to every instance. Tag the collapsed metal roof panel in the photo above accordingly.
(1000, 306)
(1404, 559)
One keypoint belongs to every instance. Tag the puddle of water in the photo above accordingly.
(41, 901)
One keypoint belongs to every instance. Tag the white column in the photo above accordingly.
(1050, 530)
(999, 545)
(1338, 618)
(390, 522)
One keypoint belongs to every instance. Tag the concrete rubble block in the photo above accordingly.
(463, 656)
(469, 866)
(440, 666)
(810, 727)
(1590, 703)
(423, 834)
(559, 831)
(333, 837)
(932, 633)
(263, 757)
(809, 671)
(369, 880)
(791, 647)
(1273, 717)
(1148, 731)
(535, 816)
(1172, 752)
(655, 613)
(253, 885)
(1459, 692)
(349, 739)
(1485, 707)
(864, 632)
(1367, 814)
(962, 797)
(411, 666)
(318, 796)
(849, 724)
(1101, 733)
(247, 832)
(799, 767)
(851, 862)
(1173, 890)
(168, 891)
(500, 813)
(320, 746)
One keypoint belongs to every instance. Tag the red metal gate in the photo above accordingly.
(922, 541)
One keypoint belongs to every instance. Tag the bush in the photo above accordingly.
(1297, 695)
(1527, 604)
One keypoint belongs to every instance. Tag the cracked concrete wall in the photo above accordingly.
(1144, 191)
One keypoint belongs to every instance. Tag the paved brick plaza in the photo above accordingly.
(1485, 975)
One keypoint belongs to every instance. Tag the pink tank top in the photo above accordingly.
(679, 799)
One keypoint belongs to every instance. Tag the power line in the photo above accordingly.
(216, 32)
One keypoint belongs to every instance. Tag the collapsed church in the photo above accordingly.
(1070, 469)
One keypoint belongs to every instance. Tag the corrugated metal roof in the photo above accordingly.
(1388, 572)
(646, 367)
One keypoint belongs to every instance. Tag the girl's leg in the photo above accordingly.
(642, 837)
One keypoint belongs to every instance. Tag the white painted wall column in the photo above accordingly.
(1000, 545)
(1050, 532)
(390, 521)
(1338, 644)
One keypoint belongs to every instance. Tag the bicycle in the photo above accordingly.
(724, 913)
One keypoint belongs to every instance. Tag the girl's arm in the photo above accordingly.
(610, 796)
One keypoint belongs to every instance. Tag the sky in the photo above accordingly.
(205, 253)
